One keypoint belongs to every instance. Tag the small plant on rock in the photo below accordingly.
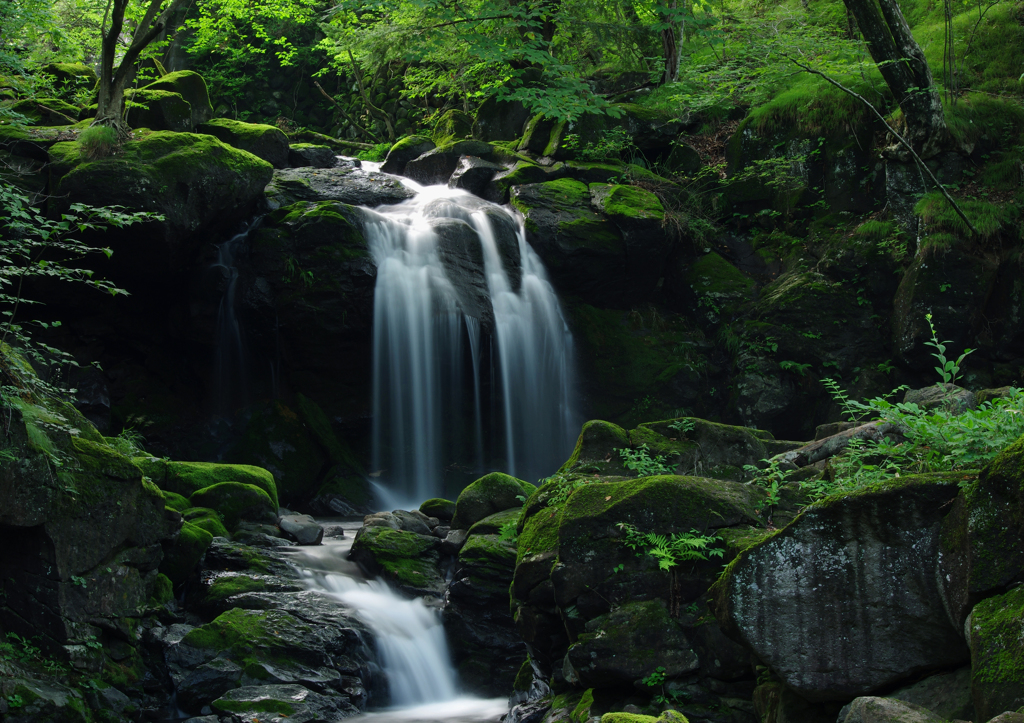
(640, 461)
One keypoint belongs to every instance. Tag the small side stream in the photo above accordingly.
(422, 682)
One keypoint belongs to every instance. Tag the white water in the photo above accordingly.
(410, 638)
(427, 387)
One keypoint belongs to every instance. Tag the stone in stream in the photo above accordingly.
(292, 703)
(404, 151)
(308, 155)
(473, 174)
(302, 528)
(437, 165)
(886, 710)
(345, 184)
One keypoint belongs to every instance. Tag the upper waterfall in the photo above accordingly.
(472, 356)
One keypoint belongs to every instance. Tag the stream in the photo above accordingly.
(410, 638)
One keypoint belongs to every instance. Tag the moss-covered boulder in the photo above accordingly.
(536, 134)
(718, 286)
(236, 501)
(83, 540)
(186, 478)
(47, 112)
(310, 155)
(597, 449)
(176, 502)
(404, 151)
(983, 535)
(844, 601)
(437, 165)
(442, 509)
(407, 560)
(207, 519)
(181, 558)
(453, 125)
(345, 183)
(499, 120)
(491, 493)
(520, 173)
(44, 700)
(628, 644)
(486, 648)
(70, 76)
(263, 141)
(159, 110)
(997, 657)
(194, 180)
(192, 88)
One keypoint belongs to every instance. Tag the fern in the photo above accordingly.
(669, 551)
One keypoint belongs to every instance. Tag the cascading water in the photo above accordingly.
(454, 271)
(230, 362)
(410, 639)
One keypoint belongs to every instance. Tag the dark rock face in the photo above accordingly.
(500, 120)
(845, 600)
(263, 141)
(437, 165)
(159, 110)
(404, 151)
(192, 88)
(307, 155)
(407, 560)
(882, 710)
(486, 648)
(349, 185)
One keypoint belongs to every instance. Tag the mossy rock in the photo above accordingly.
(309, 155)
(47, 111)
(453, 125)
(488, 559)
(206, 518)
(521, 173)
(159, 110)
(175, 501)
(491, 493)
(184, 555)
(718, 285)
(263, 141)
(404, 559)
(186, 478)
(629, 644)
(983, 535)
(161, 590)
(536, 134)
(282, 703)
(404, 151)
(997, 655)
(442, 509)
(69, 76)
(230, 585)
(193, 180)
(492, 524)
(626, 202)
(597, 448)
(668, 716)
(236, 501)
(192, 87)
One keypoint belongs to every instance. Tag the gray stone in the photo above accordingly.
(886, 710)
(454, 541)
(404, 151)
(947, 695)
(108, 699)
(1009, 717)
(947, 397)
(473, 174)
(207, 683)
(411, 522)
(348, 185)
(845, 601)
(437, 165)
(306, 155)
(302, 528)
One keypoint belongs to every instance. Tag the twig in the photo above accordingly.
(366, 98)
(896, 135)
(345, 114)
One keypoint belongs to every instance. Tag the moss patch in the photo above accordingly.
(235, 501)
(182, 558)
(186, 478)
(229, 585)
(491, 493)
(206, 518)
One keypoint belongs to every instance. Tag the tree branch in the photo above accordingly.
(374, 110)
(344, 113)
(896, 135)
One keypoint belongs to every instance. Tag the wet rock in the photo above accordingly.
(405, 559)
(997, 656)
(489, 494)
(437, 165)
(442, 509)
(42, 701)
(302, 528)
(292, 703)
(947, 695)
(793, 600)
(308, 155)
(348, 185)
(411, 522)
(454, 541)
(473, 174)
(404, 151)
(886, 710)
(207, 683)
(462, 256)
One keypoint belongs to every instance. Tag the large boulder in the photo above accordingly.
(194, 181)
(404, 151)
(995, 627)
(500, 120)
(474, 174)
(263, 141)
(182, 556)
(192, 88)
(236, 501)
(947, 695)
(159, 110)
(345, 183)
(406, 560)
(844, 601)
(309, 155)
(886, 710)
(254, 703)
(437, 165)
(186, 478)
(491, 493)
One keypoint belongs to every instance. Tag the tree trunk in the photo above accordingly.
(670, 49)
(110, 100)
(906, 72)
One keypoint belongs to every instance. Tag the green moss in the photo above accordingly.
(189, 547)
(101, 459)
(539, 533)
(207, 519)
(945, 225)
(626, 201)
(713, 275)
(627, 718)
(175, 501)
(229, 585)
(492, 524)
(562, 194)
(810, 105)
(524, 678)
(244, 631)
(234, 131)
(996, 625)
(235, 501)
(453, 125)
(440, 508)
(491, 493)
(162, 590)
(186, 478)
(581, 713)
(885, 487)
(266, 705)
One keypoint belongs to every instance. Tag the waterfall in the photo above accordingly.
(455, 272)
(230, 360)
